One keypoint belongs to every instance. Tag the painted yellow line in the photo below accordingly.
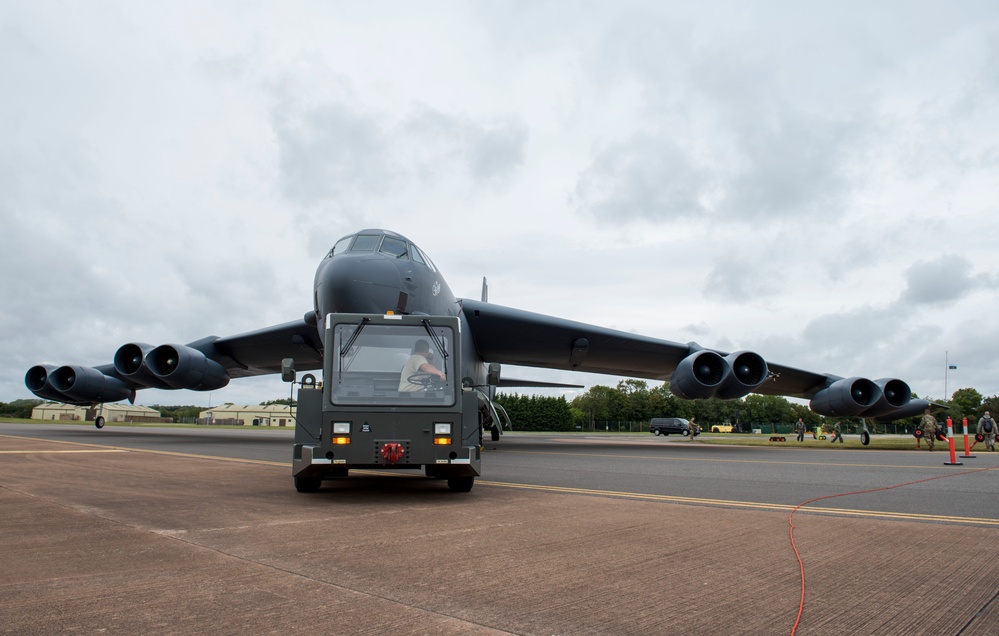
(723, 461)
(46, 452)
(753, 505)
(93, 448)
(746, 504)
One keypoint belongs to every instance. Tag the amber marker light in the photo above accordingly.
(442, 441)
(339, 441)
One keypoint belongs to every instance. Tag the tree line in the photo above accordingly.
(634, 401)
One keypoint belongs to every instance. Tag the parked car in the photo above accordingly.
(667, 425)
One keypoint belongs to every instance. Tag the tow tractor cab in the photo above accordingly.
(377, 408)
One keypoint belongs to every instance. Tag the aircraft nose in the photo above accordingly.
(366, 284)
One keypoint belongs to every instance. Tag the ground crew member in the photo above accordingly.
(837, 434)
(929, 425)
(987, 427)
(799, 428)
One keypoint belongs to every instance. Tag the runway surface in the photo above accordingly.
(179, 530)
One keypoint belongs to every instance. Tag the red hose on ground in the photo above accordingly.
(790, 520)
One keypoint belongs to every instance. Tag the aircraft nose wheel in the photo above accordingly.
(99, 421)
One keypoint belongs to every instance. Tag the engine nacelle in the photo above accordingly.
(182, 367)
(130, 362)
(747, 370)
(87, 384)
(38, 381)
(894, 395)
(698, 375)
(846, 398)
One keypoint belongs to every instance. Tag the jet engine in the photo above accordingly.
(894, 395)
(698, 375)
(38, 379)
(746, 371)
(87, 384)
(183, 367)
(130, 362)
(846, 397)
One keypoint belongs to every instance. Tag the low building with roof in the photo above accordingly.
(55, 411)
(248, 415)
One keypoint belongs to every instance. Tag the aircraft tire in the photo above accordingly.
(494, 433)
(99, 421)
(865, 438)
(308, 484)
(463, 483)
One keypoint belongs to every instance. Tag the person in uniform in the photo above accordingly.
(837, 434)
(420, 363)
(799, 428)
(929, 425)
(987, 428)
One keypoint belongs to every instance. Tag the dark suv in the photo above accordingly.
(667, 425)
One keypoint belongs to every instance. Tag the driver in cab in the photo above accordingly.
(419, 369)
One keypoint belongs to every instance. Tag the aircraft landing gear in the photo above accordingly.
(494, 433)
(99, 421)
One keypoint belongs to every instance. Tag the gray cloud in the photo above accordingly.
(644, 178)
(937, 282)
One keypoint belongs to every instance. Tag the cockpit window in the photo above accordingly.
(341, 246)
(393, 246)
(365, 243)
(426, 259)
(415, 253)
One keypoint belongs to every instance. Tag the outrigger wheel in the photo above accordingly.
(99, 421)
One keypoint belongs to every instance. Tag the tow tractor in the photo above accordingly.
(366, 415)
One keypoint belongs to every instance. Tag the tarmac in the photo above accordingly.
(125, 542)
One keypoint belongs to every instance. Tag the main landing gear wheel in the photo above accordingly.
(865, 438)
(308, 484)
(99, 421)
(494, 433)
(461, 484)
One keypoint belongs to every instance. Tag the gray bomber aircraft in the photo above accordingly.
(379, 272)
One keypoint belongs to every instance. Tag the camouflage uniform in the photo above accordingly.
(990, 436)
(837, 434)
(929, 430)
(799, 428)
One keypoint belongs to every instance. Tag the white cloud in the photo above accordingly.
(814, 183)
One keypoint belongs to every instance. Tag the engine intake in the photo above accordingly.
(747, 370)
(87, 384)
(38, 381)
(894, 395)
(183, 367)
(846, 397)
(130, 362)
(698, 375)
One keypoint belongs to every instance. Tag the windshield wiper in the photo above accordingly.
(350, 341)
(439, 341)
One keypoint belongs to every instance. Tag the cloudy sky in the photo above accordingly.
(813, 181)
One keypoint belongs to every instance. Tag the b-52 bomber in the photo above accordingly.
(410, 371)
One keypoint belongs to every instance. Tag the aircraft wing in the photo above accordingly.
(512, 336)
(203, 365)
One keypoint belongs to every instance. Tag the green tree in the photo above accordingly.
(20, 409)
(966, 403)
